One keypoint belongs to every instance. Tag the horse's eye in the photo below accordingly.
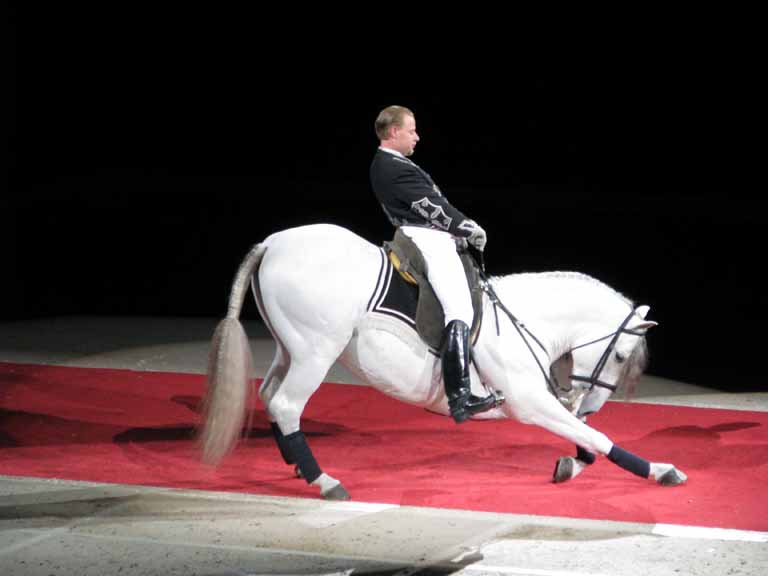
(620, 357)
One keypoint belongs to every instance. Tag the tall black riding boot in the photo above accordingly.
(455, 357)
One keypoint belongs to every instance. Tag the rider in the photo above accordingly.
(413, 202)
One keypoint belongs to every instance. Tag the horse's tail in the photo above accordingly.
(229, 371)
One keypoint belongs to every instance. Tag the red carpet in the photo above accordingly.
(135, 427)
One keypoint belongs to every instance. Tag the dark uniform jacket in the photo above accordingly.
(410, 197)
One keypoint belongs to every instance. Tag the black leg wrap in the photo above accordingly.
(585, 455)
(629, 461)
(281, 443)
(299, 452)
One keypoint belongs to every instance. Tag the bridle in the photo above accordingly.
(562, 393)
(594, 378)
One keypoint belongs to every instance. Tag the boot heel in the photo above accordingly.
(460, 415)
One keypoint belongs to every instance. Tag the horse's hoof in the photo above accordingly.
(338, 492)
(672, 477)
(563, 470)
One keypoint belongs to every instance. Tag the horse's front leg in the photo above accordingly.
(663, 473)
(537, 406)
(667, 474)
(568, 467)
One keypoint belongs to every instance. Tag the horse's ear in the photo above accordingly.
(642, 312)
(645, 326)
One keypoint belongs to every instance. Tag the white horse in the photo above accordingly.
(313, 286)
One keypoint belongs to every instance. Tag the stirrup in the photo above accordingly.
(467, 405)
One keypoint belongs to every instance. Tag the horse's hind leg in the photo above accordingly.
(293, 447)
(269, 386)
(285, 406)
(274, 377)
(312, 328)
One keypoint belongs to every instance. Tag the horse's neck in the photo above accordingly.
(561, 309)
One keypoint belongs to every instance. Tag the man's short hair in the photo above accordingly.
(390, 116)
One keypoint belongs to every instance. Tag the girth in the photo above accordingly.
(430, 318)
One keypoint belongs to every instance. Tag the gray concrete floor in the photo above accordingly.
(75, 528)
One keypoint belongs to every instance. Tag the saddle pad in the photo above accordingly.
(399, 299)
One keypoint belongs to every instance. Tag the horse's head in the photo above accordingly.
(601, 366)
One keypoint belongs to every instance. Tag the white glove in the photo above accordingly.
(478, 237)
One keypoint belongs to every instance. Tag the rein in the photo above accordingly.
(557, 391)
(519, 326)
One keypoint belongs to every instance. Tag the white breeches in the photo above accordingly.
(445, 271)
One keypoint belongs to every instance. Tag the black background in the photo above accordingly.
(152, 157)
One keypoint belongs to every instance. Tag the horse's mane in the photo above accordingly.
(561, 275)
(636, 364)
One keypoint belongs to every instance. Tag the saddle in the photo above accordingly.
(408, 260)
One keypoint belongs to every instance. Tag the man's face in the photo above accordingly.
(404, 137)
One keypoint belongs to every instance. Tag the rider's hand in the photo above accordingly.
(478, 238)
